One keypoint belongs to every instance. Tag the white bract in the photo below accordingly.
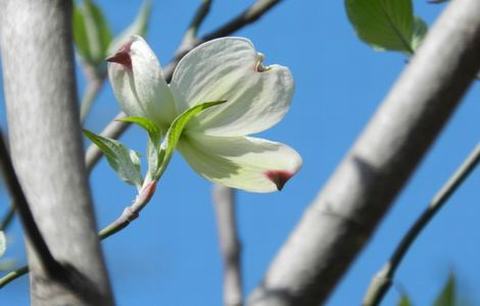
(215, 142)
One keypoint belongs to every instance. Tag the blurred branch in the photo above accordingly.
(7, 217)
(115, 129)
(383, 279)
(95, 82)
(190, 36)
(248, 16)
(224, 203)
(30, 227)
(13, 275)
(348, 209)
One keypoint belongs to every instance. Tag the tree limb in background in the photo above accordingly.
(346, 212)
(224, 203)
(248, 16)
(94, 85)
(190, 37)
(114, 129)
(46, 148)
(51, 266)
(383, 279)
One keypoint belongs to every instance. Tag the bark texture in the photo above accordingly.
(46, 149)
(346, 212)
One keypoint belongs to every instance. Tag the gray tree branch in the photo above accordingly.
(346, 212)
(51, 266)
(46, 148)
(230, 247)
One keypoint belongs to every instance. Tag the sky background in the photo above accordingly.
(170, 255)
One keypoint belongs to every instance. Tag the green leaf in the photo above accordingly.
(154, 135)
(91, 32)
(383, 24)
(80, 34)
(404, 301)
(420, 29)
(175, 131)
(145, 123)
(137, 27)
(124, 161)
(447, 296)
(3, 243)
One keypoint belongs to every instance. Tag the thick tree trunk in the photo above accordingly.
(346, 212)
(46, 148)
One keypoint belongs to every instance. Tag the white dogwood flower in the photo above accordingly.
(215, 142)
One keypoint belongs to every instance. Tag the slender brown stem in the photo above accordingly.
(382, 281)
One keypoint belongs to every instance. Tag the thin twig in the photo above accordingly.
(190, 36)
(114, 129)
(13, 275)
(383, 279)
(7, 217)
(95, 81)
(30, 227)
(129, 214)
(248, 16)
(224, 203)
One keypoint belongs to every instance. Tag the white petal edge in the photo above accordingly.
(230, 69)
(142, 90)
(247, 163)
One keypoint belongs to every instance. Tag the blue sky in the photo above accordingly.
(169, 256)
